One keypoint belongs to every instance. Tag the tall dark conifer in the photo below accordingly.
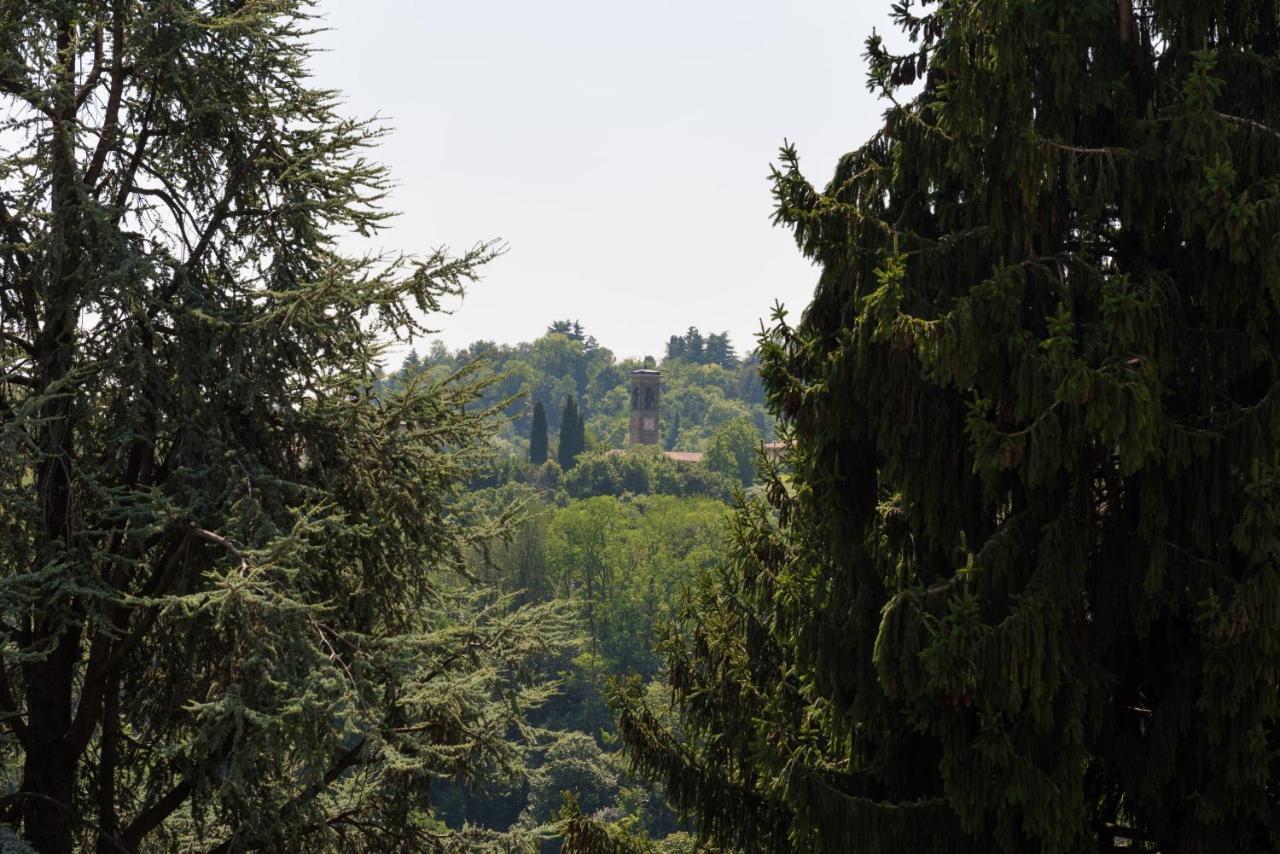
(568, 449)
(673, 432)
(719, 351)
(538, 436)
(1022, 592)
(694, 346)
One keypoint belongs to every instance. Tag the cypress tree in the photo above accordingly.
(538, 436)
(233, 609)
(1022, 592)
(568, 450)
(580, 435)
(673, 432)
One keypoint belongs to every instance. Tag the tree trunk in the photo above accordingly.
(48, 806)
(49, 810)
(1126, 21)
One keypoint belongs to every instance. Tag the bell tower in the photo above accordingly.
(644, 407)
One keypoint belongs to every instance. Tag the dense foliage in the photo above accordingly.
(697, 397)
(622, 565)
(645, 471)
(573, 436)
(538, 435)
(232, 603)
(734, 450)
(692, 347)
(1023, 590)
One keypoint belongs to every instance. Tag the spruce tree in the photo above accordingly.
(720, 351)
(233, 609)
(694, 346)
(538, 436)
(1022, 591)
(675, 347)
(567, 451)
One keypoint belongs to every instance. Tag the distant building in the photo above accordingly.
(774, 450)
(644, 407)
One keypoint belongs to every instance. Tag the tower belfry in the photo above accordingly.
(644, 407)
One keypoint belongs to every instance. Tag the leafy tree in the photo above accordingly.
(438, 354)
(644, 471)
(574, 763)
(733, 450)
(231, 616)
(579, 541)
(570, 438)
(1022, 591)
(538, 436)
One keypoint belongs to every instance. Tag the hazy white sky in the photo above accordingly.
(621, 150)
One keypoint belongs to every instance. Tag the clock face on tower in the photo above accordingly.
(651, 424)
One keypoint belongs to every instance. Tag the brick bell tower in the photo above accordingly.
(644, 407)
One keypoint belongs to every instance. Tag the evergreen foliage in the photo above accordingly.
(234, 614)
(719, 351)
(673, 432)
(714, 349)
(571, 438)
(675, 347)
(538, 435)
(1023, 590)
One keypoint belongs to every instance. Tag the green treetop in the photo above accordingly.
(733, 450)
(230, 613)
(1022, 592)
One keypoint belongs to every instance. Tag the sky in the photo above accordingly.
(620, 151)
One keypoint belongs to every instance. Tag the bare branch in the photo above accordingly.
(18, 342)
(105, 656)
(1250, 123)
(340, 766)
(95, 71)
(111, 118)
(151, 818)
(223, 207)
